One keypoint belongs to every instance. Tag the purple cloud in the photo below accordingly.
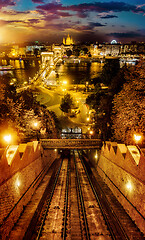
(5, 3)
(125, 34)
(97, 24)
(38, 1)
(108, 16)
(6, 22)
(14, 12)
(96, 7)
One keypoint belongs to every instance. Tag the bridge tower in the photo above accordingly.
(47, 58)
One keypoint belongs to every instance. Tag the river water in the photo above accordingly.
(23, 71)
(72, 73)
(78, 73)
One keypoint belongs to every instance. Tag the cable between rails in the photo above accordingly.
(82, 202)
(49, 202)
(117, 222)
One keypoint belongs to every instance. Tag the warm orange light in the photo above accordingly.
(129, 186)
(18, 183)
(91, 132)
(35, 124)
(65, 82)
(7, 138)
(137, 137)
(96, 156)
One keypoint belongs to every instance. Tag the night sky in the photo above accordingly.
(92, 21)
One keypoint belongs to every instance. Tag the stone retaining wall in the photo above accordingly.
(24, 173)
(123, 169)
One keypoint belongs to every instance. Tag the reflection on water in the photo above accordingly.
(23, 69)
(72, 73)
(78, 73)
(22, 75)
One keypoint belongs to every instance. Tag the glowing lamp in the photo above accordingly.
(7, 138)
(129, 186)
(35, 124)
(137, 137)
(96, 156)
(64, 82)
(18, 183)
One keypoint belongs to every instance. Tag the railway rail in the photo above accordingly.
(79, 206)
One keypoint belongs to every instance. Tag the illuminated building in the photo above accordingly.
(68, 40)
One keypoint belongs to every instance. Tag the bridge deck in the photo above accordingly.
(70, 143)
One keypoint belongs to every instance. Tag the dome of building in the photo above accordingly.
(68, 40)
(113, 42)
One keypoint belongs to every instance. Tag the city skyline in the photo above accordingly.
(87, 21)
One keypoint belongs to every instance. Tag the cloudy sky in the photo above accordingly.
(51, 20)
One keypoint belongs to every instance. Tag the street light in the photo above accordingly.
(137, 138)
(91, 133)
(7, 138)
(64, 82)
(36, 126)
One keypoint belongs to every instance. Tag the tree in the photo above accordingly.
(85, 50)
(18, 111)
(110, 70)
(128, 115)
(118, 80)
(66, 103)
(69, 53)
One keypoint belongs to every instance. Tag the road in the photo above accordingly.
(52, 99)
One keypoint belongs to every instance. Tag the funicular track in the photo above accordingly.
(79, 206)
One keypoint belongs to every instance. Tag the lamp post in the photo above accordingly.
(137, 138)
(36, 127)
(7, 138)
(91, 133)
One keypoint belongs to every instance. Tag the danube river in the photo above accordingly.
(78, 73)
(22, 71)
(72, 73)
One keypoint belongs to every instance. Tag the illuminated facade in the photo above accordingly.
(68, 40)
(115, 49)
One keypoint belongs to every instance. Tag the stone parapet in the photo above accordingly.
(130, 158)
(16, 157)
(21, 170)
(122, 168)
